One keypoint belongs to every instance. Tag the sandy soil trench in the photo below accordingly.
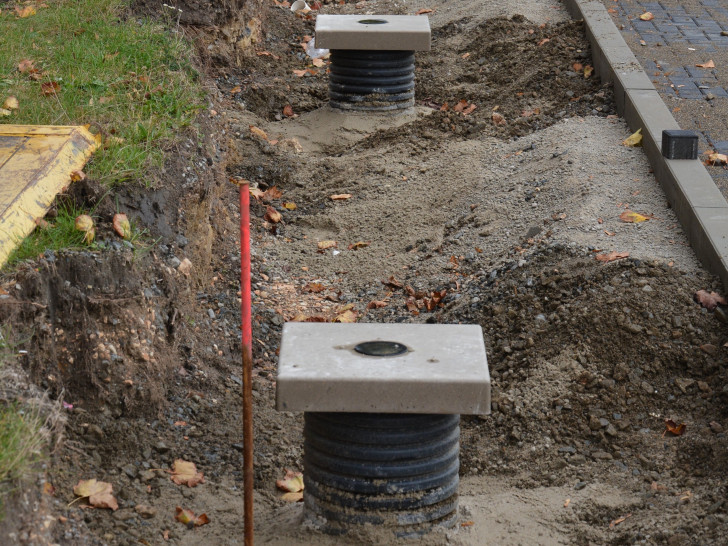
(588, 359)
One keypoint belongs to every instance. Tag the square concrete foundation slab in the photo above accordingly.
(373, 32)
(444, 369)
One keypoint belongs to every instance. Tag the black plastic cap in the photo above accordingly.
(677, 144)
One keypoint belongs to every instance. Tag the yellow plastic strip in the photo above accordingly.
(36, 163)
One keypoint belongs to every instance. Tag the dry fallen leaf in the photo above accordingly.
(567, 502)
(358, 245)
(290, 205)
(11, 103)
(271, 194)
(4, 112)
(544, 41)
(49, 88)
(121, 225)
(588, 71)
(709, 64)
(673, 428)
(614, 255)
(78, 176)
(717, 159)
(392, 282)
(86, 224)
(346, 315)
(300, 73)
(99, 493)
(258, 132)
(632, 217)
(27, 11)
(423, 11)
(376, 304)
(26, 65)
(635, 139)
(647, 16)
(323, 245)
(292, 497)
(292, 482)
(185, 473)
(314, 287)
(187, 517)
(577, 67)
(618, 521)
(272, 215)
(498, 119)
(709, 300)
(340, 196)
(288, 110)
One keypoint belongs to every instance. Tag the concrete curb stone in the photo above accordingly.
(690, 190)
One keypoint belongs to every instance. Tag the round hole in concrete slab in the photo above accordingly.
(381, 348)
(373, 21)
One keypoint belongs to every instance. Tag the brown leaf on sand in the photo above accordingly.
(673, 428)
(271, 194)
(358, 245)
(376, 304)
(288, 110)
(423, 11)
(617, 521)
(185, 473)
(292, 482)
(709, 300)
(272, 215)
(392, 282)
(614, 255)
(340, 197)
(187, 517)
(324, 245)
(98, 493)
(497, 119)
(632, 217)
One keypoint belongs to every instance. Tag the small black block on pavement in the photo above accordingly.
(677, 144)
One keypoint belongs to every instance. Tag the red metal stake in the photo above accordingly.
(247, 331)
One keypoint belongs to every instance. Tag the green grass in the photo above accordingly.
(59, 234)
(130, 78)
(24, 435)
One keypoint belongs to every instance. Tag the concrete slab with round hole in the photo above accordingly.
(427, 368)
(373, 32)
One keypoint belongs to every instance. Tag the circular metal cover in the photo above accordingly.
(381, 348)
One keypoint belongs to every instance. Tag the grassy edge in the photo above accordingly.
(30, 427)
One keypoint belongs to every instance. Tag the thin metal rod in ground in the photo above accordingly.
(247, 349)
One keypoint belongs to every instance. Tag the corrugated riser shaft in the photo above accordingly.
(394, 470)
(372, 80)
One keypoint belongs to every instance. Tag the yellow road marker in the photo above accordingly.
(35, 165)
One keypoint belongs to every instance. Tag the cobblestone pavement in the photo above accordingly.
(682, 35)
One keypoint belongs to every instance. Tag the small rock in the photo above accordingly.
(703, 386)
(594, 423)
(123, 514)
(716, 427)
(145, 511)
(721, 314)
(649, 389)
(131, 471)
(161, 447)
(684, 383)
(602, 456)
(610, 430)
(96, 431)
(710, 349)
(580, 485)
(174, 262)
